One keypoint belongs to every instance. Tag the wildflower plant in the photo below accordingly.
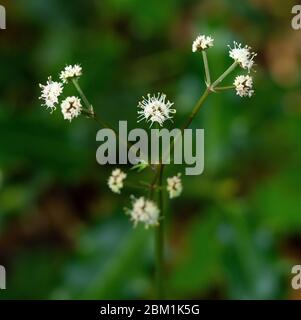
(155, 109)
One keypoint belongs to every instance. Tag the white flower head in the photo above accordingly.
(115, 181)
(155, 109)
(242, 55)
(174, 186)
(50, 93)
(70, 72)
(244, 86)
(71, 108)
(202, 43)
(144, 211)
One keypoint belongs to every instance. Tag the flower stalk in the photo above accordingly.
(206, 67)
(159, 240)
(83, 96)
(224, 75)
(224, 88)
(154, 109)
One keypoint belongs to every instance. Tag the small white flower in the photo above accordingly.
(242, 55)
(144, 211)
(155, 109)
(115, 181)
(202, 43)
(71, 108)
(50, 93)
(244, 86)
(174, 186)
(70, 72)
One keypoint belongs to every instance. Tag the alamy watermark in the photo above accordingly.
(296, 21)
(296, 280)
(185, 146)
(2, 17)
(2, 278)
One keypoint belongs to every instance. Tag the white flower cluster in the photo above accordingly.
(174, 186)
(244, 86)
(115, 181)
(242, 55)
(50, 93)
(155, 109)
(71, 72)
(71, 107)
(144, 211)
(201, 43)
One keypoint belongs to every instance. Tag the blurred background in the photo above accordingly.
(235, 233)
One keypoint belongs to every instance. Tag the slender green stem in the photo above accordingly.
(136, 186)
(196, 109)
(160, 230)
(224, 75)
(206, 66)
(192, 115)
(149, 186)
(89, 111)
(103, 123)
(224, 88)
(201, 101)
(153, 183)
(203, 97)
(83, 96)
(159, 242)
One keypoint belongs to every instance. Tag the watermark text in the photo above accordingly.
(2, 278)
(296, 21)
(2, 17)
(161, 145)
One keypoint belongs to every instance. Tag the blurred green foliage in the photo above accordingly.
(235, 232)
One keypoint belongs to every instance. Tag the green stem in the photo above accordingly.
(103, 123)
(136, 186)
(224, 88)
(206, 66)
(192, 115)
(89, 111)
(224, 75)
(153, 184)
(196, 109)
(83, 96)
(160, 230)
(160, 248)
(149, 186)
(201, 101)
(159, 242)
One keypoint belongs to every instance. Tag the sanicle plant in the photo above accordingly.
(147, 209)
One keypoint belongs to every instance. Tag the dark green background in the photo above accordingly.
(234, 233)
